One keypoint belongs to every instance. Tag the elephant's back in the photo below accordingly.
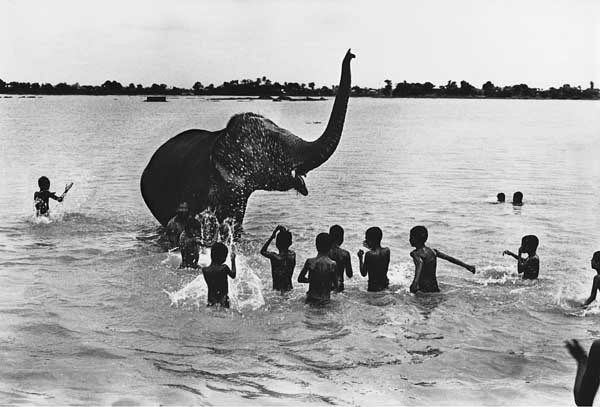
(178, 170)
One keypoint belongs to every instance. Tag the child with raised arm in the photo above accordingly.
(340, 256)
(41, 197)
(216, 274)
(596, 282)
(587, 377)
(530, 266)
(321, 273)
(283, 262)
(425, 260)
(376, 260)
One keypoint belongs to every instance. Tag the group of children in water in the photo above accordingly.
(326, 271)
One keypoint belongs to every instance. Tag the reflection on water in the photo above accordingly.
(96, 286)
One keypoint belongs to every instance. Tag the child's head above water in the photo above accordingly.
(501, 197)
(323, 242)
(418, 236)
(44, 183)
(336, 232)
(596, 261)
(529, 244)
(517, 198)
(284, 240)
(218, 253)
(373, 237)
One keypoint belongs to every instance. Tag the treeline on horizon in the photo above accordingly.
(264, 87)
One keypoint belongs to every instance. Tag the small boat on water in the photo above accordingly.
(156, 99)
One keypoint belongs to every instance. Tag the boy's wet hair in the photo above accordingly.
(218, 252)
(501, 197)
(336, 232)
(284, 239)
(596, 256)
(419, 233)
(44, 183)
(518, 197)
(530, 242)
(374, 234)
(323, 242)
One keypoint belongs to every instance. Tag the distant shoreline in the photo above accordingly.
(294, 98)
(264, 88)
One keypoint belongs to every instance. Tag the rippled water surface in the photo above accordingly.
(90, 312)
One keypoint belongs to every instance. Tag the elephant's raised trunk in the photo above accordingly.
(317, 152)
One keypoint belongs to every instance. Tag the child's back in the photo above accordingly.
(218, 286)
(427, 279)
(283, 262)
(376, 260)
(216, 275)
(321, 273)
(42, 197)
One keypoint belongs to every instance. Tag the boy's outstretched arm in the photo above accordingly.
(56, 198)
(302, 277)
(508, 252)
(595, 287)
(414, 287)
(361, 265)
(586, 378)
(455, 261)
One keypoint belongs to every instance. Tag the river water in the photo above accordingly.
(91, 313)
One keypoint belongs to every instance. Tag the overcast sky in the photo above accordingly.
(539, 42)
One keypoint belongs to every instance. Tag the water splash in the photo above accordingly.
(494, 274)
(245, 291)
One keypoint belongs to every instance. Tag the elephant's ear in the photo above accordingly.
(241, 150)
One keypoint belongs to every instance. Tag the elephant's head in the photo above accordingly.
(221, 169)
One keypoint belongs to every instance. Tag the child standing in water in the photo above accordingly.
(587, 377)
(530, 267)
(340, 256)
(596, 283)
(216, 274)
(188, 244)
(41, 197)
(283, 262)
(425, 260)
(321, 273)
(376, 260)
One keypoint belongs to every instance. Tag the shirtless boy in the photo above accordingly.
(596, 283)
(321, 273)
(283, 262)
(376, 260)
(340, 256)
(425, 260)
(530, 266)
(41, 197)
(177, 223)
(216, 274)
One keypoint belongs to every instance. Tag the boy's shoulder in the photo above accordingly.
(339, 252)
(215, 268)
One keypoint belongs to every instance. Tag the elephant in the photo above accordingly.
(220, 169)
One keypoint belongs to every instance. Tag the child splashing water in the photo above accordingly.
(41, 198)
(245, 291)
